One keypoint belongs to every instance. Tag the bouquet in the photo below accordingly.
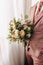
(21, 29)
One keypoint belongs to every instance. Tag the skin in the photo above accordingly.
(41, 0)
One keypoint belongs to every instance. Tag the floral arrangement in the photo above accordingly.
(21, 29)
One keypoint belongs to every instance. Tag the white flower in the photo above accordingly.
(14, 27)
(25, 26)
(14, 37)
(29, 35)
(22, 21)
(11, 22)
(29, 28)
(16, 33)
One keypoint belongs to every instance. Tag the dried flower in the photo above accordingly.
(14, 37)
(16, 33)
(21, 29)
(22, 33)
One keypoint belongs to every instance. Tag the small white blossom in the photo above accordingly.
(29, 35)
(29, 28)
(16, 33)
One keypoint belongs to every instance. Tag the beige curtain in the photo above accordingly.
(28, 4)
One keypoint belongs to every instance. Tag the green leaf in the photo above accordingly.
(26, 16)
(14, 20)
